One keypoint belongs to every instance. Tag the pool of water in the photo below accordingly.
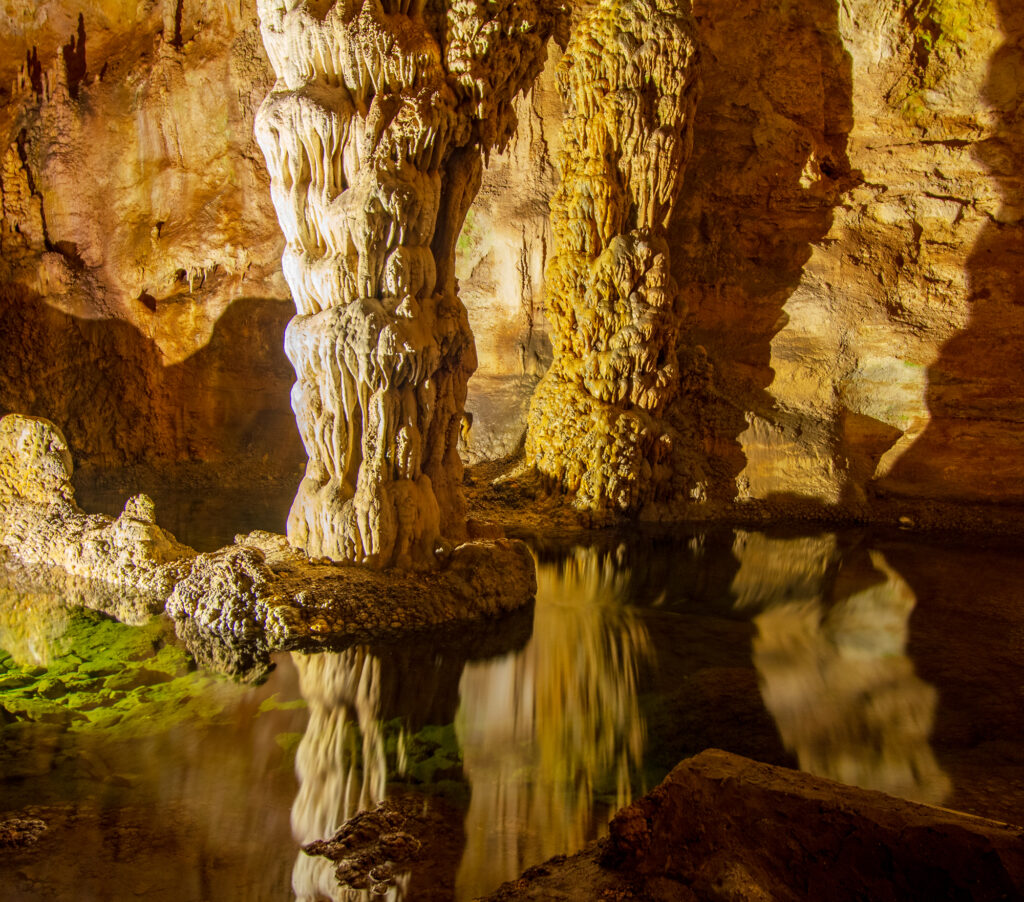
(885, 661)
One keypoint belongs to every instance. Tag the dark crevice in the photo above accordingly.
(22, 146)
(74, 58)
(179, 12)
(34, 69)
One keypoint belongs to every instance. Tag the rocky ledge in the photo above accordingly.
(725, 828)
(247, 599)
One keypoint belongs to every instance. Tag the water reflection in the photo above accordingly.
(831, 656)
(340, 763)
(31, 623)
(547, 732)
(519, 738)
(367, 709)
(536, 738)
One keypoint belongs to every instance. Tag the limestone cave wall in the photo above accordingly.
(141, 302)
(847, 243)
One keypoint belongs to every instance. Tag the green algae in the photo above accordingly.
(274, 703)
(101, 675)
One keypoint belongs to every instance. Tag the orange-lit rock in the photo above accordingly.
(847, 245)
(374, 134)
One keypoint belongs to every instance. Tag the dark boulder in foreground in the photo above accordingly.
(722, 827)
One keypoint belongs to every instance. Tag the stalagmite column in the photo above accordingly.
(374, 135)
(629, 82)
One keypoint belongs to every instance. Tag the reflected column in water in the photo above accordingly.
(549, 731)
(364, 709)
(836, 677)
(30, 624)
(341, 762)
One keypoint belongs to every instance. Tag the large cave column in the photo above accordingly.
(629, 82)
(374, 135)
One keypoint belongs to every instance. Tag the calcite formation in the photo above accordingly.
(236, 604)
(629, 81)
(42, 526)
(374, 135)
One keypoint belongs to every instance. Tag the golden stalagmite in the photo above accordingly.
(629, 81)
(374, 135)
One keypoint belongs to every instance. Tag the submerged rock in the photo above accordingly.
(18, 832)
(375, 848)
(723, 827)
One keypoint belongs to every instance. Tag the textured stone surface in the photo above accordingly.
(249, 597)
(139, 257)
(846, 243)
(629, 81)
(260, 590)
(42, 526)
(722, 827)
(374, 134)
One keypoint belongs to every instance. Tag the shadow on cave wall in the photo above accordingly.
(971, 449)
(768, 167)
(220, 419)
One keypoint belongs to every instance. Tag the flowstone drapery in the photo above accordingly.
(629, 82)
(374, 135)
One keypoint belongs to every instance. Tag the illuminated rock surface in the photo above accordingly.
(42, 526)
(629, 81)
(845, 244)
(247, 598)
(374, 136)
(724, 827)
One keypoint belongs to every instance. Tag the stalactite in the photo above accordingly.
(629, 81)
(373, 136)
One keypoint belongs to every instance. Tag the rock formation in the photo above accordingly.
(725, 827)
(374, 135)
(41, 524)
(241, 601)
(629, 81)
(139, 253)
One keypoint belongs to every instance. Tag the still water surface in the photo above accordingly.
(885, 662)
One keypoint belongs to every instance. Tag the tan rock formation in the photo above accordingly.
(725, 827)
(846, 247)
(41, 524)
(374, 135)
(629, 81)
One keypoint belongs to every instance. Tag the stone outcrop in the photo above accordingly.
(724, 827)
(374, 136)
(42, 526)
(244, 600)
(261, 593)
(629, 81)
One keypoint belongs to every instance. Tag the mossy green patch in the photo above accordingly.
(274, 703)
(289, 744)
(470, 235)
(940, 31)
(101, 675)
